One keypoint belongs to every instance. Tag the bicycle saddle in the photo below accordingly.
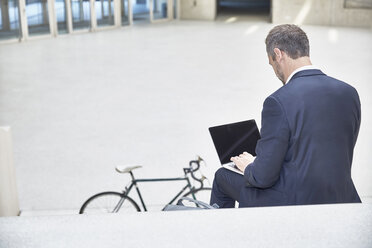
(126, 168)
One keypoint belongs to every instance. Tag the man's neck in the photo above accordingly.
(294, 64)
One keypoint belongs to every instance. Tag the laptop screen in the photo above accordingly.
(234, 139)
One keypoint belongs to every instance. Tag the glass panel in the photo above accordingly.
(141, 11)
(104, 12)
(37, 17)
(124, 12)
(80, 14)
(9, 19)
(61, 13)
(160, 9)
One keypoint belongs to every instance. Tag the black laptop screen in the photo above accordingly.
(234, 139)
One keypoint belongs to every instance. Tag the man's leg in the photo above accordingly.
(226, 188)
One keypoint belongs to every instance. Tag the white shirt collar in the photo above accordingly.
(306, 67)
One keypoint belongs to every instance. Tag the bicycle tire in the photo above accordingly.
(108, 202)
(203, 194)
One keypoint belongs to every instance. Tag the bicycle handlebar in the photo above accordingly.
(192, 170)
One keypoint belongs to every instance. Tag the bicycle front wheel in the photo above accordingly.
(109, 202)
(203, 194)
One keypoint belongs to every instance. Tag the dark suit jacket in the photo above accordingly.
(309, 129)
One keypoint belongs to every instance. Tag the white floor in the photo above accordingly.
(80, 104)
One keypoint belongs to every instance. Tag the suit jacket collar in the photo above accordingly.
(307, 73)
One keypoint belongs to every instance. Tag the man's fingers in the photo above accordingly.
(234, 159)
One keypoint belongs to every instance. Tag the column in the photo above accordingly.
(69, 16)
(9, 205)
(93, 16)
(5, 15)
(23, 19)
(118, 8)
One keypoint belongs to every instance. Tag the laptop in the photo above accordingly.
(233, 139)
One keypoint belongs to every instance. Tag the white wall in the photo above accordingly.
(320, 12)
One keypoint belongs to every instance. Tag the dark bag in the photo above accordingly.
(198, 205)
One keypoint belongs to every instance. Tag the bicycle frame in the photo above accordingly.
(135, 181)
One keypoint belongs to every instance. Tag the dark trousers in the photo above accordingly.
(226, 188)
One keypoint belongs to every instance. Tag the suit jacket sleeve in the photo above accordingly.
(271, 148)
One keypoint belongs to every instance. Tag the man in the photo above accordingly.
(309, 129)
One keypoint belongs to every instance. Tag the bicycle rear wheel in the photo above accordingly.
(109, 202)
(203, 194)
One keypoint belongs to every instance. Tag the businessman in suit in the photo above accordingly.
(309, 129)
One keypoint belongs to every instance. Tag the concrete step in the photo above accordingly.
(338, 225)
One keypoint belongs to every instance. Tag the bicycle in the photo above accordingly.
(113, 202)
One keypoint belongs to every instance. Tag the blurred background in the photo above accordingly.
(86, 85)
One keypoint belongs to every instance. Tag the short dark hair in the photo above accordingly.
(288, 38)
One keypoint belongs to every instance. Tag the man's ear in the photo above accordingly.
(278, 54)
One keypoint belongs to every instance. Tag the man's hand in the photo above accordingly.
(243, 160)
